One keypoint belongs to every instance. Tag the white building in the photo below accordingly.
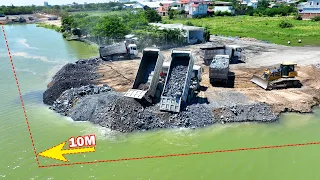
(223, 7)
(152, 5)
(124, 1)
(192, 34)
(253, 3)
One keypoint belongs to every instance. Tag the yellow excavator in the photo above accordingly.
(282, 77)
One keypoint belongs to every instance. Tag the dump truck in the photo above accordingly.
(235, 53)
(148, 74)
(196, 76)
(207, 53)
(176, 88)
(282, 77)
(219, 69)
(114, 51)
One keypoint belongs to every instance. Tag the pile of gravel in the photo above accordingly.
(220, 63)
(246, 113)
(176, 78)
(196, 115)
(120, 114)
(82, 73)
(69, 97)
(124, 114)
(101, 105)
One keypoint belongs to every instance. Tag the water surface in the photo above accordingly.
(39, 53)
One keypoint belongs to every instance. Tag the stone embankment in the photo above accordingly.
(73, 93)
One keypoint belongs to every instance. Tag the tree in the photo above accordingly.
(67, 22)
(171, 13)
(152, 15)
(263, 4)
(207, 34)
(111, 26)
(56, 7)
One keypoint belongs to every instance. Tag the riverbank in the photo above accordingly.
(242, 103)
(49, 26)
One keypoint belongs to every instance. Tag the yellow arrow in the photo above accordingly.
(57, 152)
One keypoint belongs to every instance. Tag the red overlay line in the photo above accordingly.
(136, 158)
(186, 154)
(21, 100)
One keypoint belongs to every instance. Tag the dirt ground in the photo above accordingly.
(43, 18)
(120, 75)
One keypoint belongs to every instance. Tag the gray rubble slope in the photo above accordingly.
(103, 106)
(72, 75)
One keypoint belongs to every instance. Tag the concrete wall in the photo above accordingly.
(223, 8)
(309, 15)
(195, 34)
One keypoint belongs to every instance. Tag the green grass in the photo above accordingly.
(261, 28)
(48, 26)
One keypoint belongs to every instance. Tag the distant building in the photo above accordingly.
(252, 3)
(198, 10)
(3, 19)
(223, 7)
(309, 9)
(128, 6)
(163, 9)
(46, 3)
(152, 5)
(192, 34)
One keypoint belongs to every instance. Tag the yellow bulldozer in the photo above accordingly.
(282, 77)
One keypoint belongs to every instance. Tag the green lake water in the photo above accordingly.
(38, 53)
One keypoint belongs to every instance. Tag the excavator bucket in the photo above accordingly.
(260, 81)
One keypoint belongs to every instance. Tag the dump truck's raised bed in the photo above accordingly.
(147, 76)
(207, 53)
(176, 88)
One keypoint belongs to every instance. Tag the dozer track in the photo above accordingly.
(279, 83)
(284, 83)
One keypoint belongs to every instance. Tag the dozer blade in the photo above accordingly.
(259, 81)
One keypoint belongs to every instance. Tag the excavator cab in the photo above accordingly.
(284, 76)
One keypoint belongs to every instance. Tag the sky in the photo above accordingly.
(40, 2)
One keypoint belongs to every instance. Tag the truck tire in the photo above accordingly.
(114, 58)
(108, 58)
(211, 81)
(131, 56)
(102, 57)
